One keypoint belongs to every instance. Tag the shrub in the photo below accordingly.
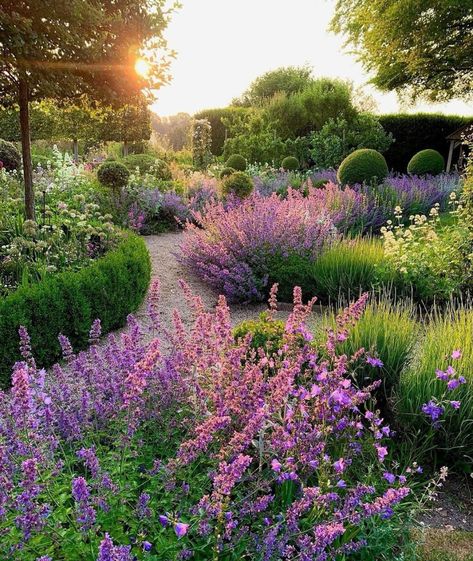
(226, 172)
(290, 163)
(412, 132)
(9, 156)
(426, 162)
(201, 143)
(447, 332)
(147, 163)
(109, 289)
(362, 166)
(232, 249)
(338, 138)
(239, 184)
(236, 162)
(219, 120)
(113, 175)
(266, 333)
(347, 269)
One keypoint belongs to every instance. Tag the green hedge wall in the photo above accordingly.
(109, 289)
(416, 132)
(215, 116)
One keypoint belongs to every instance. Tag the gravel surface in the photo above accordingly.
(162, 249)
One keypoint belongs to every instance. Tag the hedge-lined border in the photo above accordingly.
(109, 289)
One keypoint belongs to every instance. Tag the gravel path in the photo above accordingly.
(162, 249)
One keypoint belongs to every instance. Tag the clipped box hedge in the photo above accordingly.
(109, 289)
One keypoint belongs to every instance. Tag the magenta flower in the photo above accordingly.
(373, 361)
(276, 466)
(455, 404)
(456, 354)
(382, 452)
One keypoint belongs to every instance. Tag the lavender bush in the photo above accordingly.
(231, 248)
(208, 450)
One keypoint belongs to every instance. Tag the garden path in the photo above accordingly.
(165, 266)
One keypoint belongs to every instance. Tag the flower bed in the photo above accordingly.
(208, 447)
(109, 288)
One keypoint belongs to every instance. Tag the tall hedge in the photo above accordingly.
(219, 130)
(109, 289)
(413, 133)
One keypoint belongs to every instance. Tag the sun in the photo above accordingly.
(142, 67)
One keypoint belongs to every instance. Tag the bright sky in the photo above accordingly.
(223, 45)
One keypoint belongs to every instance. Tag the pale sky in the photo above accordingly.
(223, 45)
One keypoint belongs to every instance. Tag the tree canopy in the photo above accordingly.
(419, 47)
(287, 80)
(64, 49)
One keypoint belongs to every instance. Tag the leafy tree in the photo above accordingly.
(422, 47)
(287, 80)
(302, 112)
(338, 138)
(174, 130)
(63, 49)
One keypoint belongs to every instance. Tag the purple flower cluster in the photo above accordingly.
(230, 248)
(198, 444)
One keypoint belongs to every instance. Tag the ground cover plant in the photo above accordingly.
(129, 451)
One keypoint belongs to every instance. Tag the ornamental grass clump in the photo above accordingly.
(232, 248)
(209, 449)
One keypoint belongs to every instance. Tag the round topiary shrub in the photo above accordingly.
(237, 162)
(113, 175)
(238, 184)
(362, 166)
(9, 156)
(426, 162)
(290, 164)
(226, 172)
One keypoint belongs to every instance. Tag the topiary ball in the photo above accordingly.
(113, 175)
(265, 333)
(226, 172)
(9, 156)
(290, 163)
(362, 166)
(238, 184)
(237, 162)
(426, 162)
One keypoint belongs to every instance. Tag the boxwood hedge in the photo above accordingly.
(109, 289)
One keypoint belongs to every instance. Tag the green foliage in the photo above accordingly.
(400, 45)
(288, 80)
(426, 162)
(445, 333)
(388, 331)
(266, 333)
(201, 143)
(413, 132)
(113, 175)
(109, 289)
(239, 184)
(362, 166)
(9, 156)
(338, 138)
(291, 116)
(147, 163)
(237, 162)
(173, 131)
(226, 172)
(220, 120)
(347, 269)
(290, 163)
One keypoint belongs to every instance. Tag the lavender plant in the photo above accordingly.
(211, 449)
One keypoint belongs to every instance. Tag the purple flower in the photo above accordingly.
(455, 404)
(163, 520)
(373, 361)
(147, 546)
(456, 354)
(433, 410)
(276, 466)
(390, 477)
(181, 529)
(382, 452)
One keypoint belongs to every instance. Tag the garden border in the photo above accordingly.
(109, 289)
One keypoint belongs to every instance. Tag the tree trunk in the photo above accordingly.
(75, 149)
(125, 148)
(23, 99)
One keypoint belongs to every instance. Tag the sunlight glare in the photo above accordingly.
(142, 67)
